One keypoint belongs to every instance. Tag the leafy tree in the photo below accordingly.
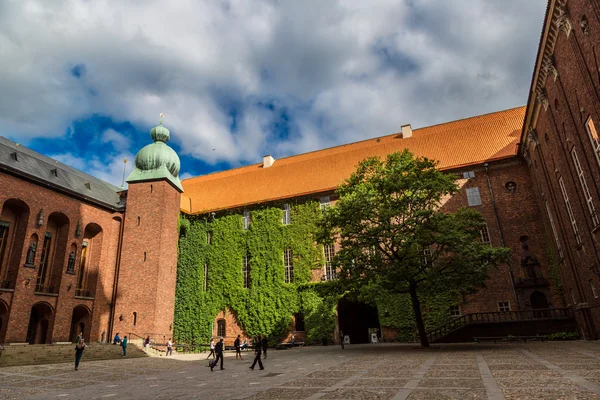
(395, 235)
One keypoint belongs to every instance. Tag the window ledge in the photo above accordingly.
(46, 294)
(29, 265)
(596, 229)
(579, 246)
(70, 272)
(7, 290)
(84, 298)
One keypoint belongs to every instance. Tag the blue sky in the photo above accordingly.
(85, 81)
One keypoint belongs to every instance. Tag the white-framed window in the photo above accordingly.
(246, 270)
(485, 234)
(209, 235)
(426, 255)
(205, 277)
(590, 127)
(288, 263)
(329, 252)
(468, 174)
(593, 287)
(287, 214)
(563, 189)
(554, 232)
(246, 219)
(473, 197)
(325, 202)
(504, 306)
(584, 187)
(455, 311)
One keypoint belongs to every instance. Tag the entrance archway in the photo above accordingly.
(38, 331)
(539, 301)
(80, 322)
(3, 320)
(355, 319)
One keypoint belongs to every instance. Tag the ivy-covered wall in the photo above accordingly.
(267, 306)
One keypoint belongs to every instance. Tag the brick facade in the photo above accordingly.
(563, 162)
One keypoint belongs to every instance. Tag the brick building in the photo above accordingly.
(78, 254)
(561, 147)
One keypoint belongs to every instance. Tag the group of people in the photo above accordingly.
(216, 351)
(169, 346)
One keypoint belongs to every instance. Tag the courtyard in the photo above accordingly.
(555, 370)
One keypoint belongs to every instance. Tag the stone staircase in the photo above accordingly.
(24, 354)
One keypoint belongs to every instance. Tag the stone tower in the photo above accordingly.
(148, 268)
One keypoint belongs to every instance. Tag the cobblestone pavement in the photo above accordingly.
(558, 370)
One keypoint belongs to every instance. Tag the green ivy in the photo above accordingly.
(267, 306)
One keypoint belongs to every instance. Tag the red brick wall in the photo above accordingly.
(573, 95)
(22, 298)
(148, 266)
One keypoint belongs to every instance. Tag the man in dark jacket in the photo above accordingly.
(237, 344)
(257, 350)
(219, 351)
(265, 344)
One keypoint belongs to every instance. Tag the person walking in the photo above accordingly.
(212, 349)
(257, 350)
(169, 347)
(238, 349)
(147, 344)
(219, 351)
(124, 345)
(79, 348)
(265, 343)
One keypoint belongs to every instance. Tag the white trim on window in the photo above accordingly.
(246, 219)
(325, 202)
(288, 264)
(563, 189)
(504, 306)
(554, 232)
(593, 287)
(329, 253)
(485, 235)
(590, 127)
(473, 197)
(287, 214)
(586, 191)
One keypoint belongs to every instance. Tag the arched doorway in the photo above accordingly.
(38, 331)
(3, 320)
(539, 301)
(80, 322)
(356, 319)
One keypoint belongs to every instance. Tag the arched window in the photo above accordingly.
(221, 328)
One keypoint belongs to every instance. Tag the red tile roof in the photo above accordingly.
(454, 144)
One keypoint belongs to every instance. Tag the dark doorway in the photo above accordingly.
(539, 301)
(79, 320)
(3, 320)
(39, 323)
(355, 319)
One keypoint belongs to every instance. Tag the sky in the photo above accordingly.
(84, 81)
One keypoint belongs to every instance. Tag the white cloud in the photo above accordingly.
(108, 169)
(342, 70)
(119, 141)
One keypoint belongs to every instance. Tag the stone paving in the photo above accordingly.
(556, 370)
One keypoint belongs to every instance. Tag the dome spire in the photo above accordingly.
(159, 133)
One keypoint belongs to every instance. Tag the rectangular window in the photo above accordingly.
(485, 235)
(246, 270)
(426, 255)
(205, 277)
(469, 174)
(288, 263)
(329, 251)
(324, 202)
(473, 197)
(246, 219)
(593, 135)
(4, 226)
(584, 187)
(503, 306)
(593, 287)
(455, 311)
(561, 183)
(554, 232)
(209, 235)
(287, 214)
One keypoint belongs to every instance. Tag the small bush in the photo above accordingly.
(563, 336)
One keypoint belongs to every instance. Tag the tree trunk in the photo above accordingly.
(418, 316)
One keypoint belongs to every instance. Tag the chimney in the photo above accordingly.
(268, 161)
(406, 131)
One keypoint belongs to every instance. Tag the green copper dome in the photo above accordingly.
(157, 160)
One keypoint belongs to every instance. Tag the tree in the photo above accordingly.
(395, 235)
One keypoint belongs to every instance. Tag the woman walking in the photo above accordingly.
(79, 348)
(147, 344)
(212, 349)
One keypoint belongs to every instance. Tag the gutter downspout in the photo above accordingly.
(486, 166)
(111, 319)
